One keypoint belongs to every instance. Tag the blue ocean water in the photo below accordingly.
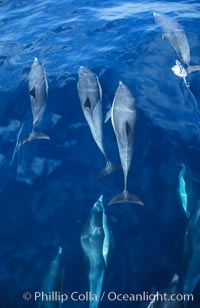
(49, 188)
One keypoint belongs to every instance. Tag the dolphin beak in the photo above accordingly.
(99, 204)
(100, 198)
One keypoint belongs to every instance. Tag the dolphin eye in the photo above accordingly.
(32, 92)
(87, 103)
(128, 129)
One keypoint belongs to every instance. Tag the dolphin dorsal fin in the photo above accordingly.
(128, 128)
(32, 92)
(87, 103)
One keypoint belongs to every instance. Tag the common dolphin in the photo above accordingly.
(191, 265)
(163, 298)
(95, 242)
(182, 190)
(38, 91)
(90, 95)
(176, 36)
(123, 117)
(53, 282)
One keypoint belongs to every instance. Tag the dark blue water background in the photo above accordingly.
(48, 190)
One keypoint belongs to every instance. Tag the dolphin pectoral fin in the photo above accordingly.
(125, 197)
(108, 116)
(108, 169)
(34, 135)
(193, 68)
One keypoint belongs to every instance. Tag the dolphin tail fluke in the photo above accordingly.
(34, 135)
(125, 197)
(193, 68)
(108, 169)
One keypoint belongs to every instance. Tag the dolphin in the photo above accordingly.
(191, 256)
(95, 242)
(182, 191)
(38, 91)
(53, 281)
(123, 117)
(174, 288)
(90, 95)
(177, 38)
